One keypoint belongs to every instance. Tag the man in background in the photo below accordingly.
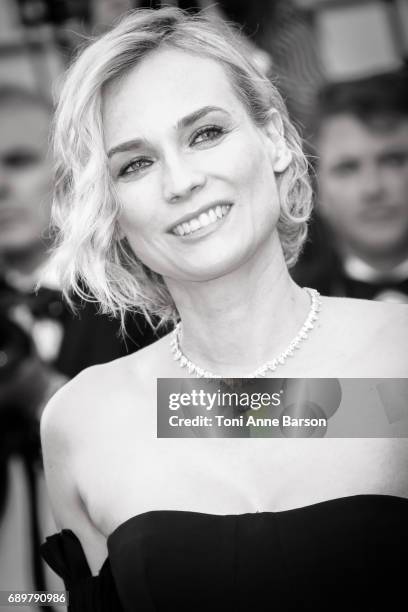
(359, 243)
(69, 343)
(42, 343)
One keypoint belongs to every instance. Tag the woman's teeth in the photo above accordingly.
(206, 218)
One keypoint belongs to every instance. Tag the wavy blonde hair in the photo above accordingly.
(89, 250)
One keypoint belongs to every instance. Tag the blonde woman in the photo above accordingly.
(183, 192)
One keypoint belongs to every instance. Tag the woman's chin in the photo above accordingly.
(205, 270)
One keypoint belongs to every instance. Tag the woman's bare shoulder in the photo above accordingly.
(375, 334)
(77, 424)
(366, 314)
(101, 387)
(71, 417)
(71, 404)
(65, 435)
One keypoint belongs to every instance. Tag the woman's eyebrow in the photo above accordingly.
(187, 121)
(191, 118)
(128, 145)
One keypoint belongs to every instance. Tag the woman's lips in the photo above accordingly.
(210, 216)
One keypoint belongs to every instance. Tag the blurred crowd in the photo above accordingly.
(358, 244)
(356, 134)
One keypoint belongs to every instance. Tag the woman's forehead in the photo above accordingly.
(166, 86)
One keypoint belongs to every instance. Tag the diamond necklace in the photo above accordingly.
(184, 362)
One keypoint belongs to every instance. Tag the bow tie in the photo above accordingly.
(46, 304)
(43, 304)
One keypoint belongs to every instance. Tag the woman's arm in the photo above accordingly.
(62, 425)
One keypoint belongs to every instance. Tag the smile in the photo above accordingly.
(210, 216)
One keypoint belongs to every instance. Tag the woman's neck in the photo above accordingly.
(233, 324)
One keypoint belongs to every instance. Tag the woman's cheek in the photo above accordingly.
(137, 206)
(243, 161)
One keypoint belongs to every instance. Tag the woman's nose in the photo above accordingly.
(180, 179)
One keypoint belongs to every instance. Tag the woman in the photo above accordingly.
(183, 192)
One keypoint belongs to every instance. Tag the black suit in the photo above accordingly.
(321, 267)
(89, 338)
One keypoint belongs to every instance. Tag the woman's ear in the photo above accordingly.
(281, 156)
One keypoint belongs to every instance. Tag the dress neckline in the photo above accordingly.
(328, 502)
(67, 539)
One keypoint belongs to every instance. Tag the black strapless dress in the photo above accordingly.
(346, 554)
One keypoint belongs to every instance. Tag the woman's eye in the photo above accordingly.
(207, 134)
(135, 166)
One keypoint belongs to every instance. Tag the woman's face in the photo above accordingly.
(194, 175)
